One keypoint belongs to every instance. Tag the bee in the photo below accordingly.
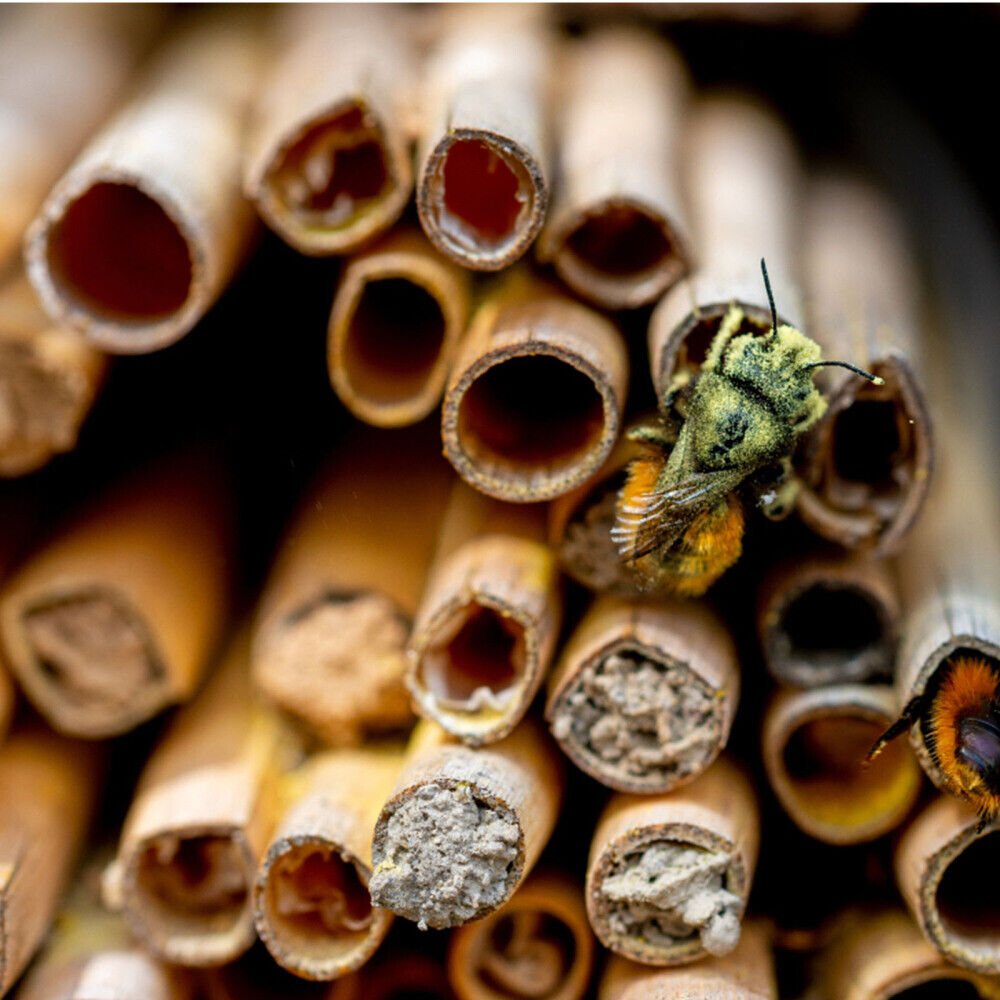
(959, 715)
(679, 517)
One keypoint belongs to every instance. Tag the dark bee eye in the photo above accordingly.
(979, 745)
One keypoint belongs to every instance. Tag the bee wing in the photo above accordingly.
(648, 521)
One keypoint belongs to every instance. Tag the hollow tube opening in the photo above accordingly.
(315, 894)
(118, 253)
(531, 411)
(478, 655)
(394, 340)
(528, 955)
(823, 759)
(194, 881)
(335, 171)
(620, 241)
(968, 895)
(482, 196)
(942, 988)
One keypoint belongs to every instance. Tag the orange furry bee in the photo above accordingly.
(679, 520)
(959, 714)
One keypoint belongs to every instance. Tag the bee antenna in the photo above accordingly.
(874, 379)
(770, 298)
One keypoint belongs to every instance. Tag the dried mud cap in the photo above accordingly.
(669, 875)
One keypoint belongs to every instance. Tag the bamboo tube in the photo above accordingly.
(867, 465)
(829, 619)
(61, 71)
(612, 234)
(464, 827)
(538, 946)
(311, 902)
(49, 379)
(91, 955)
(644, 693)
(331, 631)
(488, 622)
(117, 616)
(328, 161)
(745, 974)
(199, 822)
(256, 976)
(743, 184)
(882, 956)
(535, 397)
(668, 875)
(814, 743)
(48, 786)
(397, 317)
(580, 523)
(146, 228)
(483, 158)
(946, 864)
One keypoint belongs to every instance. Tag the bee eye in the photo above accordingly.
(979, 745)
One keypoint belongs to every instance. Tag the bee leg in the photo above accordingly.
(910, 715)
(777, 492)
(653, 434)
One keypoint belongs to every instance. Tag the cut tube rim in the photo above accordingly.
(189, 948)
(73, 720)
(682, 833)
(509, 149)
(624, 291)
(333, 967)
(119, 337)
(317, 241)
(558, 479)
(438, 284)
(584, 761)
(784, 718)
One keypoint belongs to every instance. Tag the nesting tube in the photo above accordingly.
(535, 397)
(644, 693)
(48, 786)
(814, 743)
(742, 176)
(538, 946)
(403, 972)
(747, 973)
(61, 71)
(464, 826)
(613, 232)
(489, 618)
(483, 160)
(669, 875)
(311, 901)
(398, 314)
(91, 954)
(328, 161)
(256, 976)
(829, 618)
(946, 865)
(117, 616)
(867, 466)
(330, 635)
(881, 955)
(49, 379)
(199, 823)
(147, 227)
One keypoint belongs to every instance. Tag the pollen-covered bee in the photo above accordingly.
(679, 520)
(959, 715)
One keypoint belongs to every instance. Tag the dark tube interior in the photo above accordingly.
(335, 171)
(867, 441)
(621, 242)
(968, 895)
(534, 410)
(394, 340)
(945, 988)
(118, 253)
